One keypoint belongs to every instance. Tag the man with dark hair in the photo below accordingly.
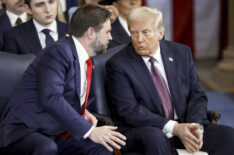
(48, 114)
(13, 15)
(42, 30)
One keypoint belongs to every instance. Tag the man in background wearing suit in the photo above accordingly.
(34, 35)
(13, 15)
(48, 114)
(155, 95)
(119, 31)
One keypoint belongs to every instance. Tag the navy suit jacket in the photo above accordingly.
(5, 25)
(119, 35)
(47, 100)
(23, 39)
(133, 96)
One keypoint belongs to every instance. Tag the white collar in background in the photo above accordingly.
(52, 27)
(124, 24)
(13, 17)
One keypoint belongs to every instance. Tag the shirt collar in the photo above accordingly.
(13, 17)
(81, 52)
(124, 24)
(157, 56)
(52, 27)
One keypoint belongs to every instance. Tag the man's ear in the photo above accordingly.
(28, 9)
(91, 33)
(161, 34)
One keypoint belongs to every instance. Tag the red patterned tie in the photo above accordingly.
(162, 90)
(88, 76)
(66, 134)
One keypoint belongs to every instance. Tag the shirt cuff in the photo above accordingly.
(168, 128)
(201, 128)
(88, 133)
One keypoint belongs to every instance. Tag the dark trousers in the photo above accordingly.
(38, 144)
(218, 140)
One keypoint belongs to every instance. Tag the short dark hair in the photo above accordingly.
(27, 2)
(88, 16)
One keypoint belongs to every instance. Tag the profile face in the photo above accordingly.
(145, 36)
(43, 11)
(124, 6)
(15, 6)
(102, 38)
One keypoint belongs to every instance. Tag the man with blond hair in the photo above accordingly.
(155, 95)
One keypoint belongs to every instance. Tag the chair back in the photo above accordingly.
(99, 62)
(12, 67)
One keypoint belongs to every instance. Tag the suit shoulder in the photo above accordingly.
(60, 49)
(174, 44)
(63, 25)
(120, 54)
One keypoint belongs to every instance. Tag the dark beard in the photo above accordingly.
(98, 47)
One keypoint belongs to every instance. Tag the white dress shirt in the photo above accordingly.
(124, 24)
(168, 128)
(53, 32)
(82, 56)
(13, 17)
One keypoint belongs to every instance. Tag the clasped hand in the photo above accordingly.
(190, 136)
(105, 135)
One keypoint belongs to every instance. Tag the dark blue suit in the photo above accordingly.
(136, 106)
(5, 25)
(23, 39)
(119, 35)
(47, 100)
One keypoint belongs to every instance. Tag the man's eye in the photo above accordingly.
(51, 1)
(39, 4)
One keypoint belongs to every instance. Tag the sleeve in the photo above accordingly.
(53, 70)
(197, 100)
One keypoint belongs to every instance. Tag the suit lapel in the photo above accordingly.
(170, 69)
(119, 34)
(143, 73)
(6, 21)
(31, 37)
(77, 66)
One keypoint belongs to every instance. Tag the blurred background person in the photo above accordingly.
(119, 31)
(42, 30)
(13, 13)
(107, 4)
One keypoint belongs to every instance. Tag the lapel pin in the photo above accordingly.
(171, 59)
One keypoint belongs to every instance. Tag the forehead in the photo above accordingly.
(142, 24)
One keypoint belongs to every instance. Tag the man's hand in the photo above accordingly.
(113, 10)
(189, 135)
(90, 117)
(106, 135)
(199, 135)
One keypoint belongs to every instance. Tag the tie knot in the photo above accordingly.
(46, 31)
(18, 21)
(89, 62)
(152, 60)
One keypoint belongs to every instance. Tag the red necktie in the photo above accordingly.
(88, 76)
(162, 90)
(66, 134)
